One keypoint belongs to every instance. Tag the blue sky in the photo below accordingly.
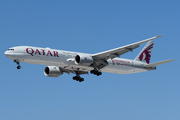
(90, 27)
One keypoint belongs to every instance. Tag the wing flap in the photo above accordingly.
(72, 71)
(158, 63)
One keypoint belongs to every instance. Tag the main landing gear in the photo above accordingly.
(18, 67)
(95, 72)
(77, 77)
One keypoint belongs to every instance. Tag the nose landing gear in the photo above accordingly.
(17, 62)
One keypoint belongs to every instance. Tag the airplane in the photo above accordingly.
(60, 61)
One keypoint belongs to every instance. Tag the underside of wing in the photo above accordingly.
(73, 71)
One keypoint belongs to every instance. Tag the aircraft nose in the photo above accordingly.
(6, 53)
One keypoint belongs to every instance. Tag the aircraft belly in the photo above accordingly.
(121, 69)
(77, 67)
(44, 60)
(61, 62)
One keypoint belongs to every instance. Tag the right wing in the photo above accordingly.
(121, 50)
(100, 58)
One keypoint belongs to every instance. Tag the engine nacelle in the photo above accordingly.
(52, 71)
(83, 60)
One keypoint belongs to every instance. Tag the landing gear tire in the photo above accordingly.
(81, 79)
(96, 72)
(78, 78)
(99, 73)
(18, 67)
(92, 71)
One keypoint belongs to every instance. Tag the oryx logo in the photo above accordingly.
(85, 58)
(146, 54)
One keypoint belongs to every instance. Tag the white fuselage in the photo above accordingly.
(52, 57)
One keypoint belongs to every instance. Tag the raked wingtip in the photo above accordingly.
(159, 36)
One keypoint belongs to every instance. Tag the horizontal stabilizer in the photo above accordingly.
(158, 63)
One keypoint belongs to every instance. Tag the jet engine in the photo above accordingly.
(83, 60)
(52, 71)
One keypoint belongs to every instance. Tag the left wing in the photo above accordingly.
(119, 51)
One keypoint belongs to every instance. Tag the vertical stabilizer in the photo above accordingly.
(145, 54)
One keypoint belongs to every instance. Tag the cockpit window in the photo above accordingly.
(10, 49)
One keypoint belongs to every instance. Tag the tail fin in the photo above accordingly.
(145, 54)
